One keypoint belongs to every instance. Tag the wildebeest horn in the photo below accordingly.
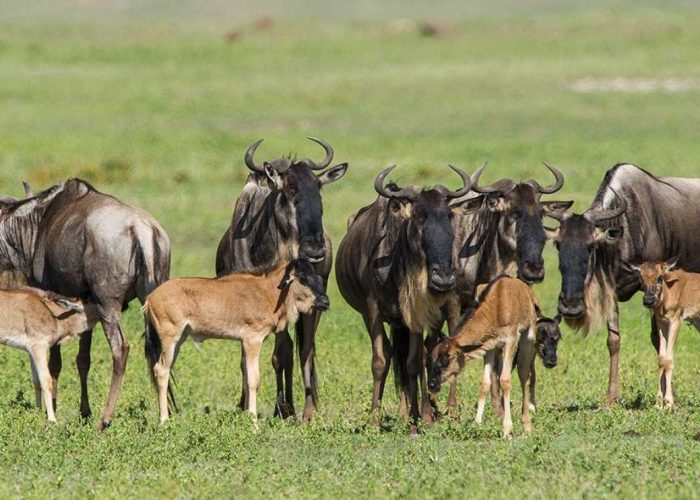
(28, 193)
(449, 194)
(558, 181)
(249, 157)
(383, 191)
(329, 154)
(596, 216)
(502, 186)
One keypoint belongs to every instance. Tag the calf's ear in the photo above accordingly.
(333, 174)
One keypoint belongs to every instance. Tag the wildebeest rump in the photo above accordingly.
(278, 217)
(396, 265)
(79, 242)
(635, 217)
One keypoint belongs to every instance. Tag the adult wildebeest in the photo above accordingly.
(396, 265)
(635, 217)
(278, 217)
(498, 230)
(78, 242)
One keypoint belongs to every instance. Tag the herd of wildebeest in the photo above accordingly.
(415, 259)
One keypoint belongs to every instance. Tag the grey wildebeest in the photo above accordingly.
(244, 307)
(500, 230)
(34, 320)
(78, 242)
(673, 295)
(278, 217)
(396, 265)
(505, 318)
(635, 217)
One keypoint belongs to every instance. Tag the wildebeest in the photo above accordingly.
(78, 242)
(673, 296)
(635, 217)
(238, 306)
(500, 230)
(278, 217)
(34, 320)
(505, 318)
(396, 265)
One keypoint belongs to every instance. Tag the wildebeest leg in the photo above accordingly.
(241, 400)
(55, 365)
(452, 312)
(381, 354)
(413, 366)
(120, 352)
(613, 396)
(671, 335)
(39, 361)
(435, 336)
(82, 362)
(525, 361)
(496, 396)
(36, 382)
(283, 363)
(251, 350)
(505, 380)
(307, 325)
(427, 403)
(485, 387)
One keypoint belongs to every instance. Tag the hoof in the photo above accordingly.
(308, 415)
(283, 409)
(85, 414)
(104, 423)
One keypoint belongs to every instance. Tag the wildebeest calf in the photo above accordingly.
(672, 296)
(34, 320)
(505, 318)
(241, 307)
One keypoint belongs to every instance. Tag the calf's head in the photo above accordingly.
(547, 338)
(428, 214)
(446, 362)
(576, 240)
(522, 211)
(298, 187)
(306, 286)
(654, 281)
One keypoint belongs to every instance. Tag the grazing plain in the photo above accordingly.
(159, 113)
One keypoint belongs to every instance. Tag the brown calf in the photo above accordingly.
(672, 296)
(241, 307)
(505, 318)
(35, 320)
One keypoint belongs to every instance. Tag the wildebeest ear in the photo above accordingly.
(470, 347)
(497, 203)
(556, 209)
(467, 206)
(613, 234)
(333, 174)
(273, 176)
(401, 207)
(28, 193)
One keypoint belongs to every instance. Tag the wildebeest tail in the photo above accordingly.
(400, 341)
(154, 249)
(152, 350)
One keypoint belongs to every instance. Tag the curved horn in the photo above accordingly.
(558, 181)
(596, 216)
(502, 186)
(449, 194)
(381, 189)
(329, 154)
(249, 157)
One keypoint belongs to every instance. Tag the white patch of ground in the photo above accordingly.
(635, 85)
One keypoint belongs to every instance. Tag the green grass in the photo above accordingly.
(159, 113)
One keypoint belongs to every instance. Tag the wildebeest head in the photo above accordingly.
(428, 215)
(446, 362)
(522, 211)
(547, 338)
(576, 239)
(303, 272)
(299, 189)
(654, 280)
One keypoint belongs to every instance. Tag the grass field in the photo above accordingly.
(159, 112)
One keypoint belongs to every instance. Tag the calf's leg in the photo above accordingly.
(485, 387)
(39, 357)
(505, 380)
(38, 395)
(525, 361)
(668, 362)
(251, 350)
